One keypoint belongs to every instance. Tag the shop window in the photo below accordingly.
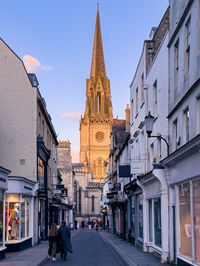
(140, 216)
(1, 217)
(150, 222)
(17, 217)
(133, 216)
(157, 222)
(154, 211)
(185, 238)
(196, 218)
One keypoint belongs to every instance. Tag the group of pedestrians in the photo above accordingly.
(92, 224)
(59, 241)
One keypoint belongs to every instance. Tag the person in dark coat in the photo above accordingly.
(65, 242)
(53, 238)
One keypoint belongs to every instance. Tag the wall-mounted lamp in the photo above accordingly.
(149, 121)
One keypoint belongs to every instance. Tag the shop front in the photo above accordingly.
(184, 191)
(19, 213)
(135, 213)
(3, 187)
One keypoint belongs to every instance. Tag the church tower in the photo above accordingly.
(95, 125)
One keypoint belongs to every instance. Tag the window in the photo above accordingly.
(79, 201)
(92, 203)
(39, 124)
(75, 196)
(140, 215)
(155, 99)
(198, 115)
(1, 218)
(151, 154)
(99, 167)
(189, 220)
(154, 210)
(157, 222)
(137, 150)
(136, 104)
(41, 173)
(98, 102)
(132, 115)
(17, 217)
(187, 44)
(142, 88)
(175, 123)
(150, 221)
(142, 144)
(43, 128)
(176, 63)
(185, 238)
(196, 219)
(186, 117)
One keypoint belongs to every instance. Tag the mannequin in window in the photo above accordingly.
(14, 220)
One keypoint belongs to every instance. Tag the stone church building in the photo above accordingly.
(95, 128)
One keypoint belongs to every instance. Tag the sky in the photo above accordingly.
(54, 38)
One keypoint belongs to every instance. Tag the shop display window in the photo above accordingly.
(155, 232)
(1, 217)
(157, 222)
(196, 218)
(133, 216)
(185, 239)
(140, 216)
(17, 217)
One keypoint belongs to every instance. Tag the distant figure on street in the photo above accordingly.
(82, 224)
(75, 224)
(53, 239)
(89, 224)
(65, 242)
(97, 225)
(92, 223)
(71, 226)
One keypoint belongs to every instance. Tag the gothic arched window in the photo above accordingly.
(99, 167)
(75, 196)
(92, 203)
(98, 102)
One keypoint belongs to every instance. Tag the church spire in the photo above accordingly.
(98, 66)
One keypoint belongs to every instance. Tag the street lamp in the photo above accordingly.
(109, 185)
(149, 121)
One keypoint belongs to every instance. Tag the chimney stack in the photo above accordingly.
(127, 118)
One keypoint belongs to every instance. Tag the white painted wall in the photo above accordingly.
(17, 116)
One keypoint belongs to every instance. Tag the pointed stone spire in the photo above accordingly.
(98, 66)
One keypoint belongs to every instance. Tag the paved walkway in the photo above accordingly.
(33, 256)
(131, 255)
(89, 249)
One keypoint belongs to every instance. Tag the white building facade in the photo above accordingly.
(183, 167)
(149, 93)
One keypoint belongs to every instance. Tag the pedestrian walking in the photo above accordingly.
(75, 224)
(92, 224)
(53, 239)
(97, 225)
(89, 224)
(65, 242)
(82, 224)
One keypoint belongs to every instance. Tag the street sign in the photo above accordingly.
(101, 203)
(124, 171)
(117, 186)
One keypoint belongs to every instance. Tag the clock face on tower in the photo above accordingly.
(99, 136)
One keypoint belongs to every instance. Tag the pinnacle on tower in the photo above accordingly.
(98, 66)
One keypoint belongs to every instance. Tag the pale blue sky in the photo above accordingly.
(59, 34)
